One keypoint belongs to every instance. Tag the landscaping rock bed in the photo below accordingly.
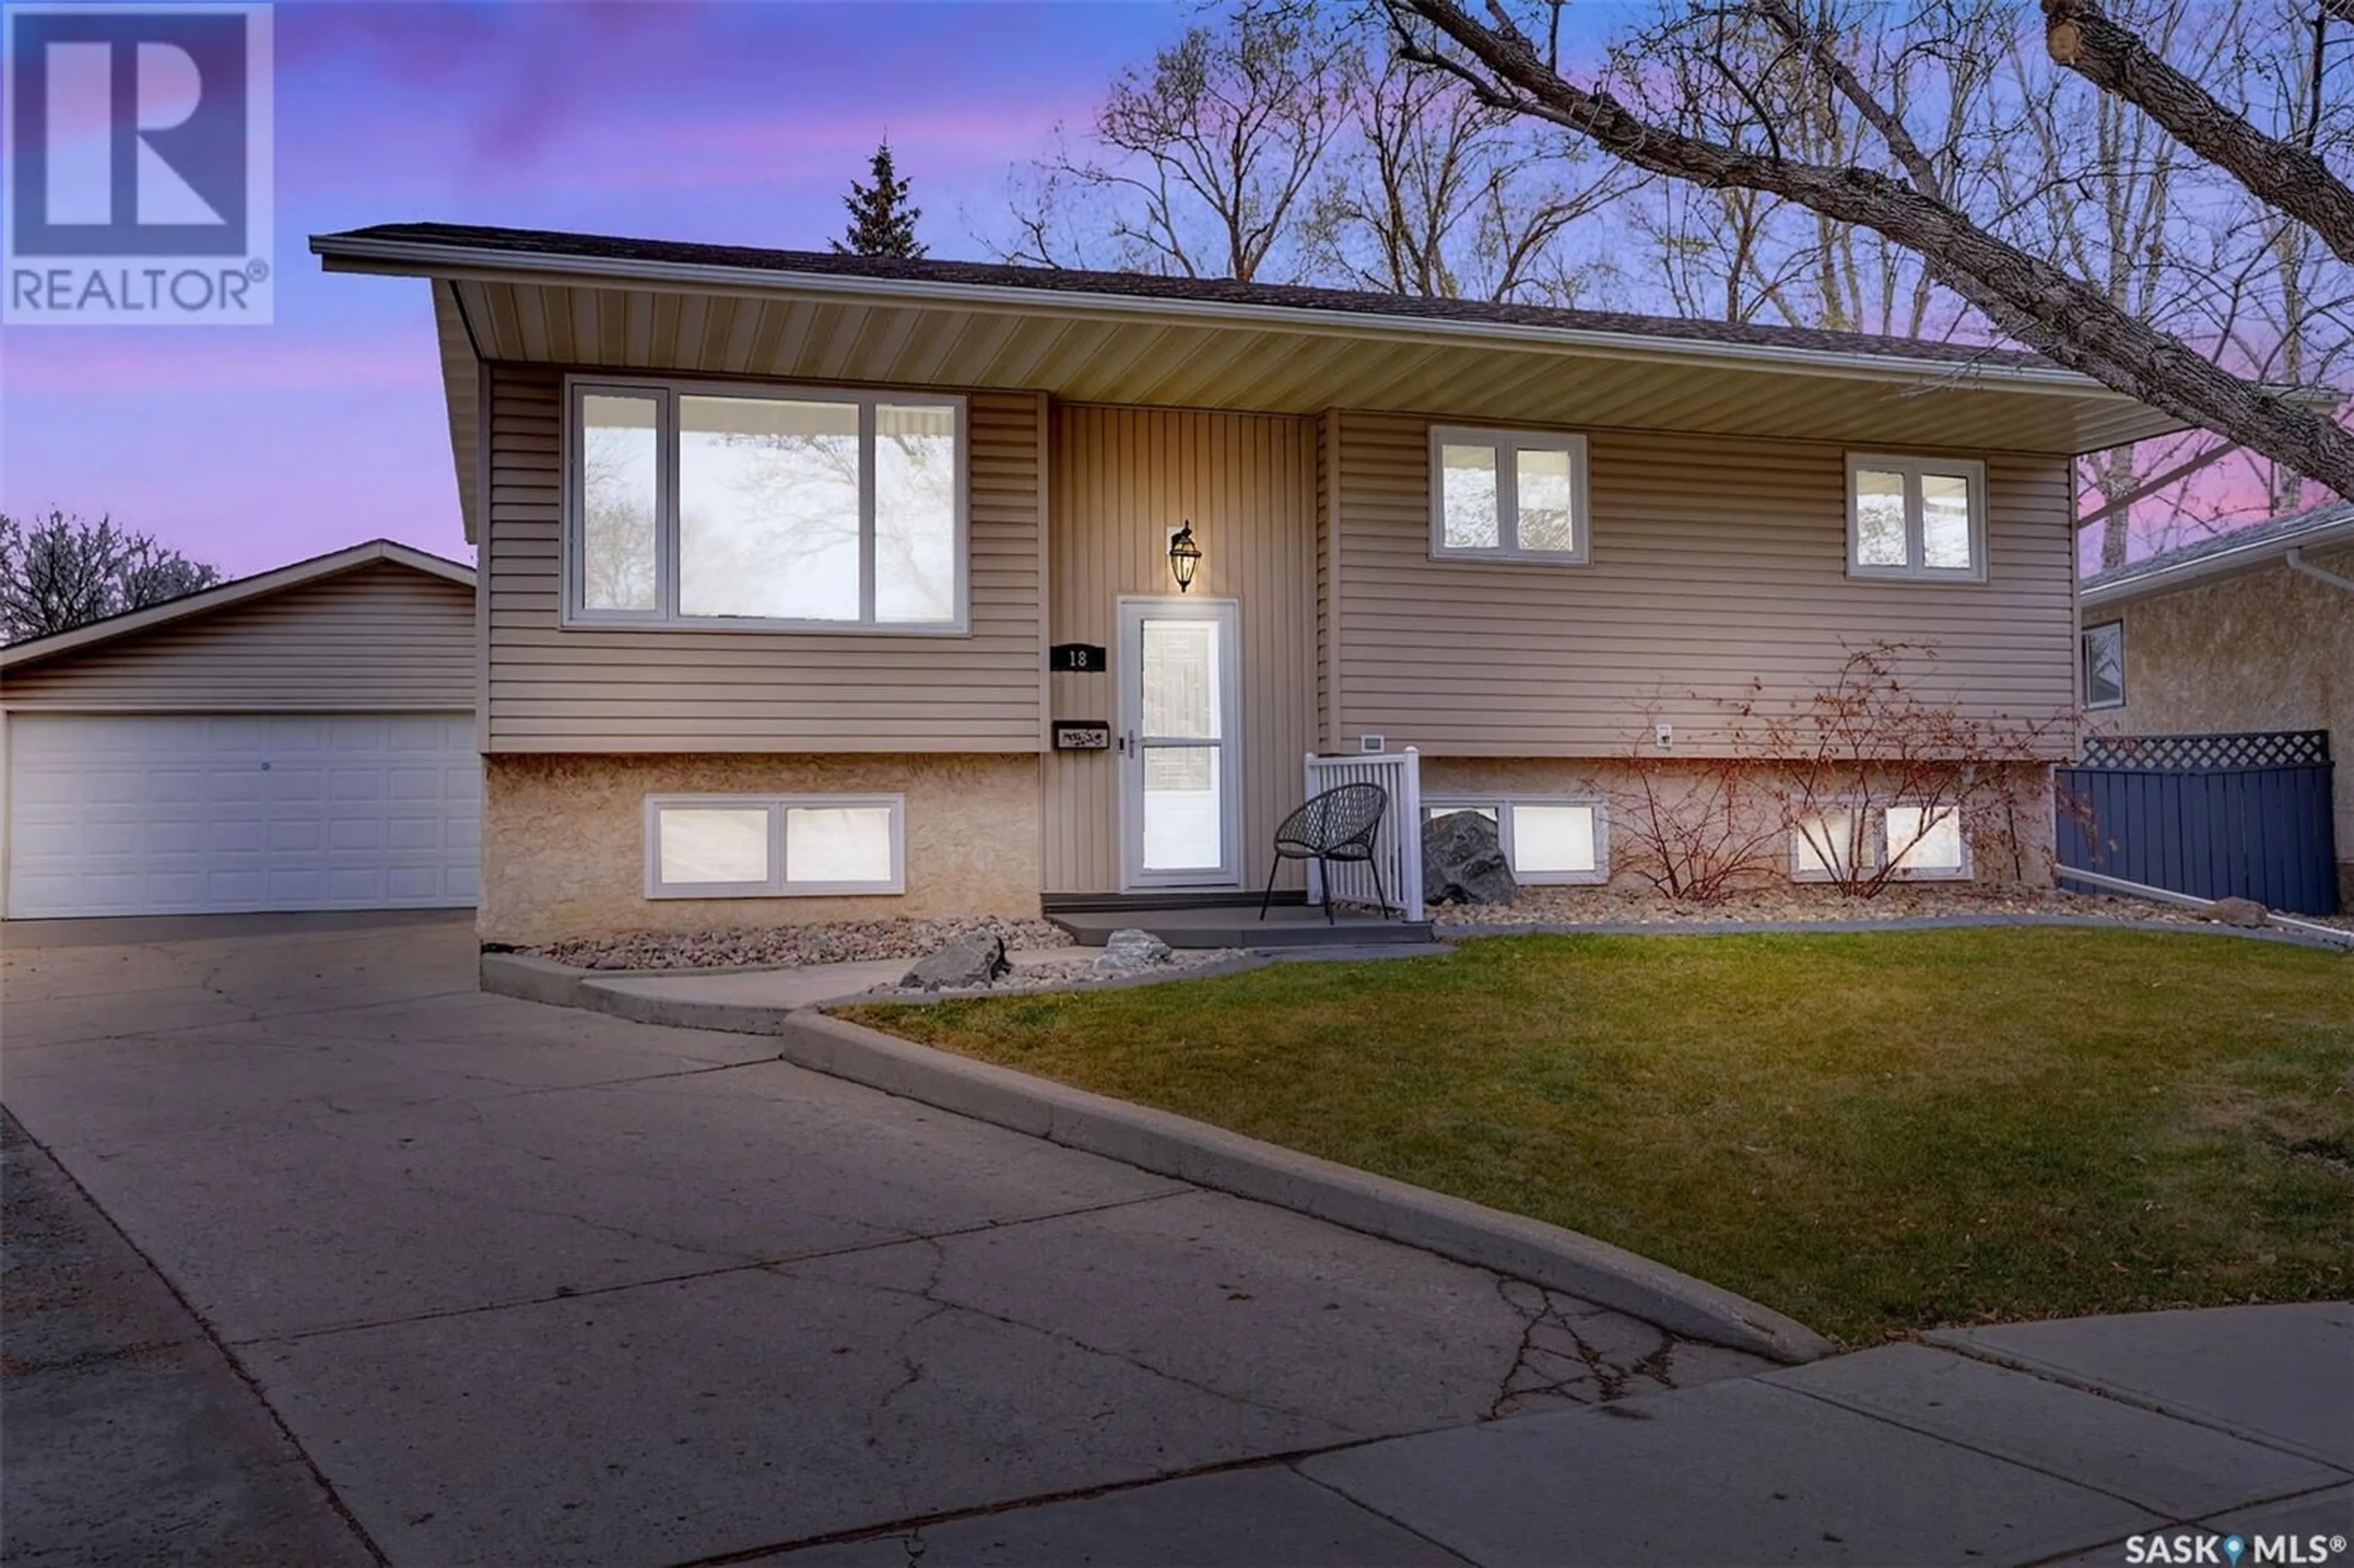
(1614, 907)
(1077, 971)
(796, 947)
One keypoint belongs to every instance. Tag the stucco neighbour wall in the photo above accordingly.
(2269, 651)
(1612, 780)
(564, 839)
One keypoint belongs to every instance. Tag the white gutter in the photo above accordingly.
(2297, 563)
(2238, 558)
(470, 261)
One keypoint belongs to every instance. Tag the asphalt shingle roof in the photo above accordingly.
(2271, 531)
(556, 245)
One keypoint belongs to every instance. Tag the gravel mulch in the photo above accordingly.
(1614, 907)
(794, 947)
(1061, 974)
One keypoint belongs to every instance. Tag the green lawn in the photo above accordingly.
(1874, 1133)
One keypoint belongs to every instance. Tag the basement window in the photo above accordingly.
(774, 846)
(1508, 495)
(1928, 842)
(720, 505)
(1544, 840)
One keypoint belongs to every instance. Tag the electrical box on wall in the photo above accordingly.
(1372, 745)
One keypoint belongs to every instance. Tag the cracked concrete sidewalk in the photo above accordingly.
(520, 1285)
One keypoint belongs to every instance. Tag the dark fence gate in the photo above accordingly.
(2211, 815)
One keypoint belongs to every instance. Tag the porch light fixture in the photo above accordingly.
(1184, 555)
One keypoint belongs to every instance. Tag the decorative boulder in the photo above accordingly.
(974, 960)
(1129, 951)
(1463, 863)
(2237, 912)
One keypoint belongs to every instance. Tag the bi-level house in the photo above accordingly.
(818, 586)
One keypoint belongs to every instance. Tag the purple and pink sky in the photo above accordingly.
(733, 122)
(249, 446)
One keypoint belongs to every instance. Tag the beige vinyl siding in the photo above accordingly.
(684, 690)
(1122, 479)
(379, 638)
(1715, 560)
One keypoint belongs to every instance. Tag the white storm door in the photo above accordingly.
(1180, 810)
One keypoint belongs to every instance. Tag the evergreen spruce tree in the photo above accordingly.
(881, 221)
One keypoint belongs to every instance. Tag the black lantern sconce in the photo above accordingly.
(1184, 557)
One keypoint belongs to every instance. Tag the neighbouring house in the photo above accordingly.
(300, 739)
(826, 586)
(2249, 632)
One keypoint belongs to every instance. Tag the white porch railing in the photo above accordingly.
(1399, 843)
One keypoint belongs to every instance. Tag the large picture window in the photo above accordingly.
(764, 507)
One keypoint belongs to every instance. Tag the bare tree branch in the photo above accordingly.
(2283, 174)
(2028, 298)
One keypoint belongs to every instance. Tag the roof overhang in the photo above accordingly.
(259, 586)
(2253, 555)
(661, 316)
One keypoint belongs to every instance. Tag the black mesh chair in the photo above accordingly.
(1340, 824)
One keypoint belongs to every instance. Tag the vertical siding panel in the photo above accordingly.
(1124, 478)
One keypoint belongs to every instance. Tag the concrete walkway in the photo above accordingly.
(317, 1254)
(1902, 1455)
(512, 1284)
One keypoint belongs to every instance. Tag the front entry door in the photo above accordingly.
(1180, 808)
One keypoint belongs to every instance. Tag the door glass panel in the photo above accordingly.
(1184, 808)
(1181, 680)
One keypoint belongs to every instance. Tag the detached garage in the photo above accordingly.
(303, 739)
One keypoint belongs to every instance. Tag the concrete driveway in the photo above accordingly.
(487, 1282)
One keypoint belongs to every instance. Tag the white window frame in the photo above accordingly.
(780, 884)
(1874, 844)
(1968, 470)
(2084, 662)
(665, 616)
(1504, 806)
(1505, 444)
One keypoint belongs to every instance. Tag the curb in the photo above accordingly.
(1206, 1156)
(1457, 930)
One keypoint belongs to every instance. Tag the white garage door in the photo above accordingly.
(214, 813)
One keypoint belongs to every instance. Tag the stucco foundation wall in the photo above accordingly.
(1614, 782)
(2270, 651)
(564, 839)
